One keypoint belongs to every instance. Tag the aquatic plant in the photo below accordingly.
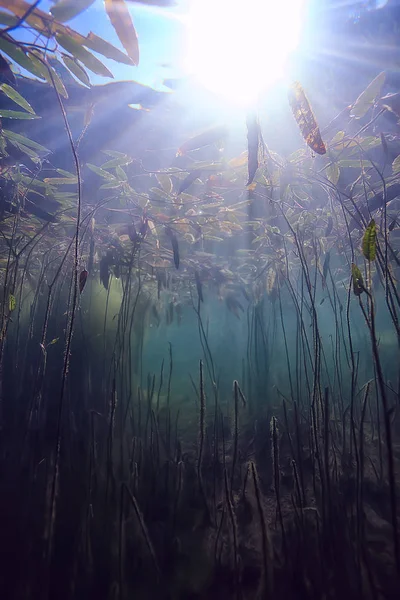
(122, 474)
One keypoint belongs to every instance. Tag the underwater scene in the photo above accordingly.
(199, 300)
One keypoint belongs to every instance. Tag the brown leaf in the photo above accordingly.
(120, 18)
(38, 19)
(305, 118)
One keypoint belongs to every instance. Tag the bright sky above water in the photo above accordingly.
(161, 39)
(235, 48)
(239, 48)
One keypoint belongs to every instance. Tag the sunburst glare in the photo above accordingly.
(239, 48)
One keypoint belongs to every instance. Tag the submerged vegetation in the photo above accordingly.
(200, 363)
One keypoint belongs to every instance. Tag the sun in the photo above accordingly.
(239, 48)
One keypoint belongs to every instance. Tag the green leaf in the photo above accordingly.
(94, 42)
(31, 153)
(35, 57)
(12, 303)
(122, 176)
(17, 55)
(114, 153)
(36, 193)
(367, 98)
(101, 172)
(64, 197)
(16, 97)
(337, 138)
(369, 142)
(333, 173)
(117, 162)
(111, 185)
(357, 278)
(160, 193)
(17, 114)
(12, 136)
(9, 20)
(369, 241)
(165, 182)
(29, 183)
(3, 146)
(206, 165)
(60, 180)
(66, 174)
(396, 165)
(78, 51)
(65, 10)
(120, 18)
(354, 164)
(76, 69)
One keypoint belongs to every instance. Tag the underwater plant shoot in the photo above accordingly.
(199, 300)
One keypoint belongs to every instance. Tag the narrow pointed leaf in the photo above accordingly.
(79, 52)
(117, 162)
(12, 303)
(110, 186)
(120, 18)
(45, 73)
(12, 135)
(122, 176)
(16, 97)
(17, 114)
(31, 153)
(101, 172)
(165, 182)
(369, 241)
(66, 174)
(76, 69)
(153, 191)
(65, 10)
(96, 43)
(367, 98)
(114, 153)
(354, 163)
(60, 181)
(17, 55)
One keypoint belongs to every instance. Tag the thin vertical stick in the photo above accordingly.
(275, 457)
(235, 432)
(267, 571)
(201, 438)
